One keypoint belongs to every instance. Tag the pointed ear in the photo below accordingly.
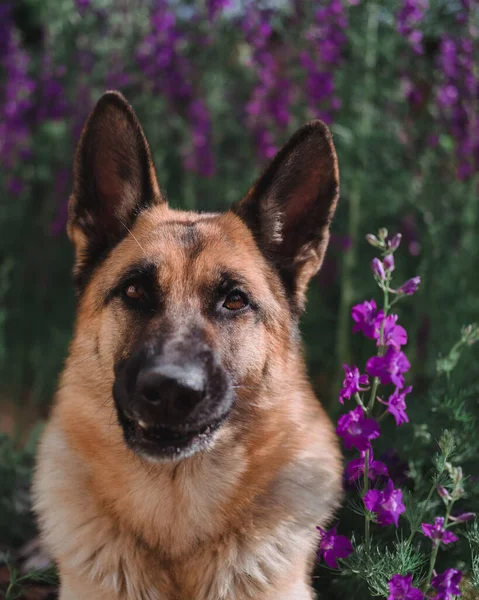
(291, 206)
(113, 181)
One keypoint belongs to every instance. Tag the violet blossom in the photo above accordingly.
(401, 588)
(365, 317)
(356, 467)
(390, 367)
(393, 335)
(352, 383)
(396, 405)
(438, 533)
(387, 504)
(357, 430)
(447, 584)
(333, 546)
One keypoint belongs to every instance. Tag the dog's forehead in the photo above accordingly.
(192, 246)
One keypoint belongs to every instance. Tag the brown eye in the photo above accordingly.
(235, 300)
(134, 291)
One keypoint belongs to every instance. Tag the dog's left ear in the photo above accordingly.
(290, 208)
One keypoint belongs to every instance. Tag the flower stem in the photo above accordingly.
(343, 340)
(435, 550)
(367, 519)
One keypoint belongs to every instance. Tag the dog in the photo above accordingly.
(186, 456)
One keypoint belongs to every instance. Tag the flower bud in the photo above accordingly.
(393, 243)
(445, 495)
(383, 233)
(410, 286)
(467, 516)
(388, 262)
(378, 269)
(373, 240)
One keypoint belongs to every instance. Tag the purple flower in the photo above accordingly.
(410, 286)
(387, 504)
(355, 468)
(447, 584)
(393, 243)
(365, 316)
(352, 383)
(326, 38)
(396, 405)
(438, 533)
(333, 546)
(378, 269)
(409, 18)
(400, 588)
(357, 430)
(390, 367)
(215, 7)
(393, 335)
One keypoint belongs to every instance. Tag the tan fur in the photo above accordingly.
(235, 522)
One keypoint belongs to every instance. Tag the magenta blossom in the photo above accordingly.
(390, 367)
(396, 405)
(355, 468)
(410, 287)
(333, 546)
(400, 588)
(357, 430)
(438, 533)
(393, 335)
(387, 504)
(447, 584)
(365, 316)
(352, 383)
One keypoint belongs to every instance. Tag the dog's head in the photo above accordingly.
(190, 315)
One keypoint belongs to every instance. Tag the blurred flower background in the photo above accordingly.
(219, 85)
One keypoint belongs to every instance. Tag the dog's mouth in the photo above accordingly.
(165, 443)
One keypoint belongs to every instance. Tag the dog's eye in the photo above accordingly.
(134, 291)
(235, 300)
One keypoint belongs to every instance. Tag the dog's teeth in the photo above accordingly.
(142, 424)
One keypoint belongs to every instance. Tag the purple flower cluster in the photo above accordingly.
(326, 40)
(161, 58)
(268, 108)
(51, 103)
(214, 7)
(16, 99)
(409, 18)
(456, 100)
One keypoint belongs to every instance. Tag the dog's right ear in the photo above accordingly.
(113, 181)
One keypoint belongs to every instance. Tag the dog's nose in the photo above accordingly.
(172, 391)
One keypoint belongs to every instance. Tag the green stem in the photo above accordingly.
(367, 518)
(435, 550)
(343, 340)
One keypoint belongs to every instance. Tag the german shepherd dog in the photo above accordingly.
(187, 457)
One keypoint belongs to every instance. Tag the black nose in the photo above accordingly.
(171, 391)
